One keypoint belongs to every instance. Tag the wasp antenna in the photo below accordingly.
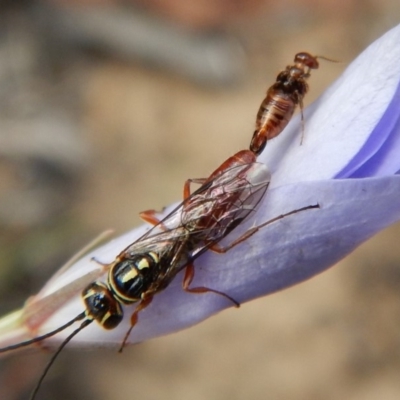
(83, 325)
(42, 337)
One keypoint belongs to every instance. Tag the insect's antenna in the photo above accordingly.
(84, 324)
(327, 59)
(42, 337)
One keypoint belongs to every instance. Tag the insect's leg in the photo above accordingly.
(250, 232)
(186, 186)
(302, 119)
(134, 318)
(150, 217)
(99, 262)
(188, 278)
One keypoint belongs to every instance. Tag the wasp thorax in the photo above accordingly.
(132, 276)
(102, 306)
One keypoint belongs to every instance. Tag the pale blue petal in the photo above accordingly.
(280, 255)
(380, 155)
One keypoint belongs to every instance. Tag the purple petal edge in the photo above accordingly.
(380, 154)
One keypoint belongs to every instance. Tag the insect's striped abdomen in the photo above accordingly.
(272, 117)
(281, 100)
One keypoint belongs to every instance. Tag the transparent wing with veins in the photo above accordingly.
(210, 213)
(200, 221)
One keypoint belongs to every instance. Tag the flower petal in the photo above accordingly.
(278, 256)
(380, 155)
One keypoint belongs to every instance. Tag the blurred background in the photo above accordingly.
(106, 107)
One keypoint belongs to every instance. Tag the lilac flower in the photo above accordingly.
(349, 164)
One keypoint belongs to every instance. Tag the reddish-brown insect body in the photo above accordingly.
(281, 100)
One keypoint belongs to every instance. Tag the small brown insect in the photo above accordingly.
(281, 100)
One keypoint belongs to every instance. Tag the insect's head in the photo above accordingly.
(102, 306)
(307, 60)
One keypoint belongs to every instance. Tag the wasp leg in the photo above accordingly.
(188, 278)
(134, 318)
(186, 186)
(250, 232)
(99, 262)
(150, 217)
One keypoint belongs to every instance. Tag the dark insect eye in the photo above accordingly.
(99, 303)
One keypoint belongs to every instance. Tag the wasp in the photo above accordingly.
(282, 98)
(148, 265)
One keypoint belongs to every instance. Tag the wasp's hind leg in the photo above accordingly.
(188, 278)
